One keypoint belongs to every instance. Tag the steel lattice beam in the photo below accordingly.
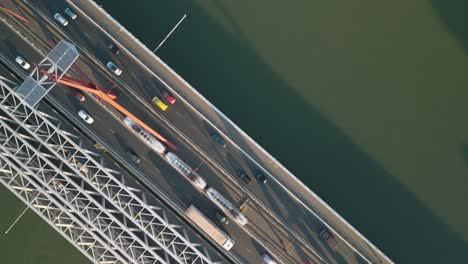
(49, 172)
(23, 184)
(140, 233)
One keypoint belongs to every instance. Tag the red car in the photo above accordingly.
(78, 95)
(325, 235)
(168, 97)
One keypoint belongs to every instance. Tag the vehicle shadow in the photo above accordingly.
(453, 14)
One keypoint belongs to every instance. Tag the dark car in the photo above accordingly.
(325, 235)
(78, 95)
(241, 174)
(222, 218)
(260, 177)
(114, 48)
(133, 156)
(218, 139)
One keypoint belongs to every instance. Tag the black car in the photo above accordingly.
(114, 48)
(241, 174)
(218, 139)
(260, 177)
(133, 156)
(222, 218)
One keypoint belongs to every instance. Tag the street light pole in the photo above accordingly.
(168, 35)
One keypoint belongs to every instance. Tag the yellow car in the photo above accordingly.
(159, 103)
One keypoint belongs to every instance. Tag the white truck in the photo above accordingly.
(211, 229)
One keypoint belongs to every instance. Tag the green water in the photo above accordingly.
(362, 100)
(31, 240)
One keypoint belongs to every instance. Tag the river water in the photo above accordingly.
(364, 101)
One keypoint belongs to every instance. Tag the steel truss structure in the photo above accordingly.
(89, 204)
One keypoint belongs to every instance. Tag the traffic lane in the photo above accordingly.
(87, 70)
(102, 125)
(13, 45)
(158, 171)
(214, 181)
(82, 32)
(129, 76)
(35, 23)
(135, 77)
(300, 218)
(64, 124)
(115, 134)
(76, 71)
(293, 214)
(130, 183)
(186, 151)
(276, 202)
(51, 33)
(153, 166)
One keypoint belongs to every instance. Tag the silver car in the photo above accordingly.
(22, 62)
(61, 19)
(114, 68)
(85, 116)
(70, 13)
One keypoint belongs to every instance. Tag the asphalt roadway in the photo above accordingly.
(287, 229)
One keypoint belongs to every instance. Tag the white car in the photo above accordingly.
(61, 19)
(22, 62)
(114, 68)
(85, 116)
(70, 13)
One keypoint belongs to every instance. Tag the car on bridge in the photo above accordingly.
(22, 62)
(114, 48)
(114, 68)
(218, 139)
(159, 103)
(78, 95)
(133, 156)
(244, 178)
(267, 259)
(168, 97)
(325, 235)
(260, 177)
(61, 19)
(70, 13)
(85, 116)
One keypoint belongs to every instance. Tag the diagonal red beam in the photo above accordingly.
(106, 97)
(15, 14)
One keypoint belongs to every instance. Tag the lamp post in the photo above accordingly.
(168, 35)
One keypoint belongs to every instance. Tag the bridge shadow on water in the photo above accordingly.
(226, 68)
(453, 15)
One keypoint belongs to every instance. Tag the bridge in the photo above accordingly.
(79, 179)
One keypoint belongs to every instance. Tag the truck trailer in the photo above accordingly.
(210, 228)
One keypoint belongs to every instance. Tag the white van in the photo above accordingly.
(267, 259)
